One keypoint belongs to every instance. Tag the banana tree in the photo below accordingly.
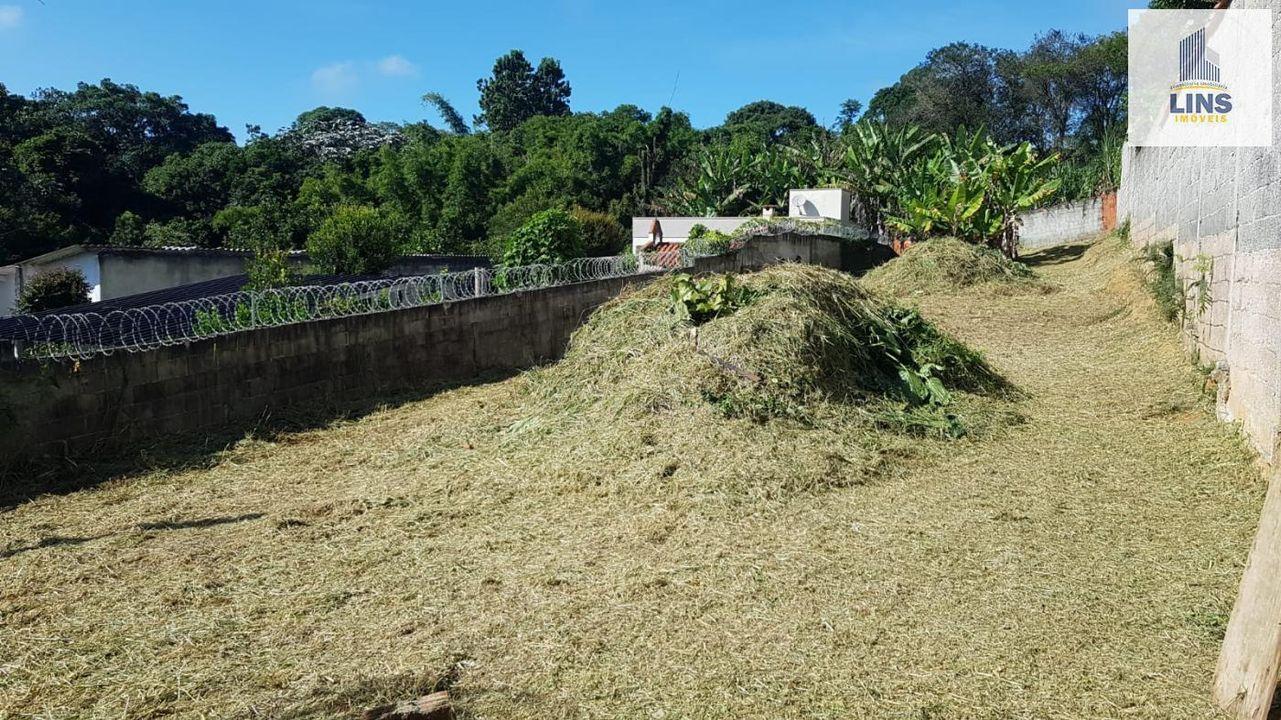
(879, 159)
(713, 182)
(1019, 181)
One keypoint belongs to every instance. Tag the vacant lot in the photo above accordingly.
(1079, 564)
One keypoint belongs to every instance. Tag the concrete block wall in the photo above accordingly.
(1221, 209)
(1060, 224)
(74, 409)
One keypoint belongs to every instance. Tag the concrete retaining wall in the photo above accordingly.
(73, 409)
(1221, 208)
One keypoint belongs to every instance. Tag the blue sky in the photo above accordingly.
(265, 62)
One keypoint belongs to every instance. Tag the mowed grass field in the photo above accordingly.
(1078, 564)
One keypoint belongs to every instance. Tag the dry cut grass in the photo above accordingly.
(946, 264)
(677, 564)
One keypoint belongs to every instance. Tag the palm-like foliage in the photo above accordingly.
(971, 188)
(713, 183)
(878, 159)
(730, 179)
(906, 183)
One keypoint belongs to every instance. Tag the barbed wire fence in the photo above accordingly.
(84, 335)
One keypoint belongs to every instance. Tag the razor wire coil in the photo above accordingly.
(85, 335)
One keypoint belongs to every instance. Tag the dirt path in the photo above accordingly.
(1079, 565)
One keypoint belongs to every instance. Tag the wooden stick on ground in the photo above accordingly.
(1246, 677)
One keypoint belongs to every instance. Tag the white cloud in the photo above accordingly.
(397, 66)
(10, 16)
(335, 79)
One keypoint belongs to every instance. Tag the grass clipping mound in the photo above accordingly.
(793, 342)
(946, 264)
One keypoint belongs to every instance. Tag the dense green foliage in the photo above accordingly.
(970, 188)
(517, 92)
(550, 236)
(72, 162)
(355, 240)
(705, 241)
(602, 233)
(109, 163)
(54, 289)
(1065, 94)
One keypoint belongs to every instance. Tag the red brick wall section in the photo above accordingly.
(1109, 211)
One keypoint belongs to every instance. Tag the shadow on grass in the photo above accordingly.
(1056, 255)
(52, 541)
(201, 523)
(60, 541)
(27, 480)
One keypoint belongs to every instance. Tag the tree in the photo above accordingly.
(1047, 80)
(72, 161)
(957, 86)
(515, 92)
(550, 89)
(355, 240)
(769, 121)
(338, 133)
(128, 231)
(1101, 75)
(54, 289)
(199, 183)
(326, 115)
(850, 110)
(453, 119)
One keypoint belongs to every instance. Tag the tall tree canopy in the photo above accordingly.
(769, 121)
(72, 161)
(515, 91)
(1063, 92)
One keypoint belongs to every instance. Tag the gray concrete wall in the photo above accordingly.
(1060, 224)
(129, 274)
(1221, 208)
(73, 409)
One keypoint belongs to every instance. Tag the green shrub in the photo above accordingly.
(705, 241)
(550, 236)
(355, 240)
(54, 289)
(1162, 281)
(602, 234)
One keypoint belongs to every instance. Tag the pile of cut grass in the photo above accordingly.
(806, 338)
(946, 264)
